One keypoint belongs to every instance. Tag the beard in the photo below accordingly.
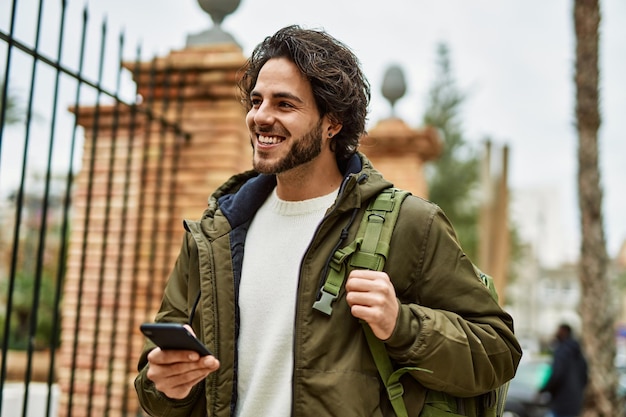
(304, 150)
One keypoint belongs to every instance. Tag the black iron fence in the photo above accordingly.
(47, 84)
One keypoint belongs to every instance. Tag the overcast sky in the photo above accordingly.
(514, 59)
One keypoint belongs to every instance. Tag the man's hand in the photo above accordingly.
(175, 372)
(372, 298)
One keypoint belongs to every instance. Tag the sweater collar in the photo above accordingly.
(242, 195)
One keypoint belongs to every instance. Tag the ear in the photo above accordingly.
(332, 127)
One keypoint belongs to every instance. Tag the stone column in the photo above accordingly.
(144, 170)
(494, 245)
(206, 106)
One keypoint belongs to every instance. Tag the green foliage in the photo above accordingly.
(453, 178)
(36, 280)
(517, 256)
(12, 110)
(21, 310)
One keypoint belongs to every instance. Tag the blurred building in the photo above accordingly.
(537, 215)
(540, 298)
(545, 290)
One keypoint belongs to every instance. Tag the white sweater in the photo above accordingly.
(275, 244)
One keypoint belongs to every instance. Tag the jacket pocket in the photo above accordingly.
(437, 410)
(337, 393)
(439, 404)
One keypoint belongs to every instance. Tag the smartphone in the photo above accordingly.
(173, 336)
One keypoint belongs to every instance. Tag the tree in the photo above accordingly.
(454, 177)
(596, 307)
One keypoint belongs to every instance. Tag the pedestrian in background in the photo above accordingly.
(568, 378)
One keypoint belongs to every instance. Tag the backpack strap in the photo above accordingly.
(370, 248)
(369, 251)
(377, 227)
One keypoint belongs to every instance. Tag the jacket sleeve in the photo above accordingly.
(174, 308)
(448, 322)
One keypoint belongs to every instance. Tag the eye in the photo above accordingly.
(285, 104)
(255, 102)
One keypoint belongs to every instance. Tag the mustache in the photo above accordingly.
(271, 132)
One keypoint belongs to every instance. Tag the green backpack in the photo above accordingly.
(369, 251)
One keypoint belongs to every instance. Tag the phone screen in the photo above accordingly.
(173, 336)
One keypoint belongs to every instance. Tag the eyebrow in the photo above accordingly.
(279, 95)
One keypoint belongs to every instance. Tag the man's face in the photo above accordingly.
(286, 130)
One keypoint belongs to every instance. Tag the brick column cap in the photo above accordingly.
(392, 136)
(219, 56)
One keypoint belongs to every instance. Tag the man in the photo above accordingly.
(568, 378)
(249, 272)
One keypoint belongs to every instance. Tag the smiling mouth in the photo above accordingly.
(269, 140)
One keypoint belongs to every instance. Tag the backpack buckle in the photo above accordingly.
(395, 390)
(324, 303)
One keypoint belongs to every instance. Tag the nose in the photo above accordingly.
(262, 115)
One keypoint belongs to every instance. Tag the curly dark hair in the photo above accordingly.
(339, 86)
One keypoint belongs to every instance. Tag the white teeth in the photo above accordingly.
(269, 140)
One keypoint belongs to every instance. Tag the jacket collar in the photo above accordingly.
(240, 197)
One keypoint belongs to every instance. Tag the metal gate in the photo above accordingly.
(48, 82)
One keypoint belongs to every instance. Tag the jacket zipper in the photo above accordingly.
(202, 240)
(295, 327)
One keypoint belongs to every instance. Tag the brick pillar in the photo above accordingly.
(399, 153)
(494, 245)
(139, 179)
(211, 113)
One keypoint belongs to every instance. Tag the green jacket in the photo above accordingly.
(448, 322)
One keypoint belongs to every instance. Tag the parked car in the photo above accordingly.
(523, 399)
(621, 382)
